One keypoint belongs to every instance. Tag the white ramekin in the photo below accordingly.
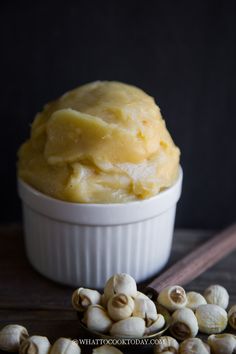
(84, 244)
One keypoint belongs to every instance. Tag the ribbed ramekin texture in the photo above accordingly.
(81, 255)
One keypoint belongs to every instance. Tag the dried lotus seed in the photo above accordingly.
(146, 309)
(156, 326)
(65, 346)
(194, 346)
(83, 298)
(11, 336)
(120, 284)
(173, 298)
(35, 345)
(211, 318)
(120, 306)
(166, 344)
(217, 295)
(194, 300)
(97, 319)
(184, 324)
(222, 343)
(130, 327)
(232, 317)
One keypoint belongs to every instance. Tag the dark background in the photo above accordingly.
(181, 52)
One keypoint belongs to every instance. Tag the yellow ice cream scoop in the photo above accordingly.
(104, 142)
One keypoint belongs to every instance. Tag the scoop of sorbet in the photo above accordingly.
(104, 142)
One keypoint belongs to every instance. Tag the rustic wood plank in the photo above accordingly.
(44, 307)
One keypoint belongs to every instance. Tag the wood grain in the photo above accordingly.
(44, 307)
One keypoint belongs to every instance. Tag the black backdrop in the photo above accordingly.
(181, 52)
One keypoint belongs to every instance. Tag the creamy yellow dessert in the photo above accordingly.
(104, 142)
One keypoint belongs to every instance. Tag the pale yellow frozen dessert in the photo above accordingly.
(104, 142)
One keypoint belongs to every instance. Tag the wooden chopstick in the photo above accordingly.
(198, 261)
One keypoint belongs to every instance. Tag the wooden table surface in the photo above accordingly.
(44, 307)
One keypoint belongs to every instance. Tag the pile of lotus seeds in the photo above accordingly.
(120, 311)
(123, 312)
(15, 338)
